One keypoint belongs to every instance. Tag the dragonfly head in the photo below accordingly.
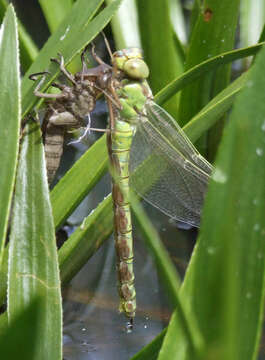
(131, 62)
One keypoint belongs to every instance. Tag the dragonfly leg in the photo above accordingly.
(95, 56)
(41, 94)
(83, 61)
(63, 69)
(107, 45)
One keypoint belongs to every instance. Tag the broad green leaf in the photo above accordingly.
(177, 20)
(124, 25)
(10, 116)
(86, 240)
(198, 70)
(18, 339)
(158, 45)
(33, 265)
(28, 49)
(55, 11)
(72, 35)
(228, 262)
(90, 167)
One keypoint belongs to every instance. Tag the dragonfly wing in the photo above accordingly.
(166, 169)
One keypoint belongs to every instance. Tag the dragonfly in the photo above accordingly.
(149, 152)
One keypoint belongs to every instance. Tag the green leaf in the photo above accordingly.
(250, 30)
(10, 116)
(178, 21)
(55, 11)
(213, 34)
(228, 263)
(158, 45)
(124, 25)
(73, 34)
(198, 70)
(18, 339)
(33, 265)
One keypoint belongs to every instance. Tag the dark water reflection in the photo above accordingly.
(93, 327)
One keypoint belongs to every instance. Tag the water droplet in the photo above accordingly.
(219, 176)
(255, 201)
(209, 55)
(223, 40)
(240, 221)
(211, 250)
(256, 227)
(83, 329)
(129, 327)
(82, 226)
(249, 83)
(64, 35)
(263, 126)
(259, 151)
(260, 255)
(249, 295)
(204, 41)
(145, 326)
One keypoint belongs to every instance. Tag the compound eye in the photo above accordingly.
(136, 69)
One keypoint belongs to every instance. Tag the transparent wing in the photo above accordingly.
(166, 169)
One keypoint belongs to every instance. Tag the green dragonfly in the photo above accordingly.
(147, 150)
(151, 153)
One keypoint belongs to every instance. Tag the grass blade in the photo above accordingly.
(198, 70)
(33, 265)
(10, 116)
(17, 338)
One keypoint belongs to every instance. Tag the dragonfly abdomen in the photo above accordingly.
(119, 143)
